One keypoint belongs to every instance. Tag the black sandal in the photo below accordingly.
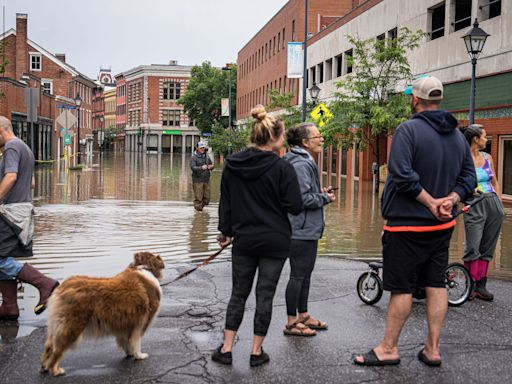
(371, 360)
(425, 360)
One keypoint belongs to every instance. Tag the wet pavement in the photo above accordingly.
(476, 343)
(91, 222)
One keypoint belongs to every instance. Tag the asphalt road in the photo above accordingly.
(476, 344)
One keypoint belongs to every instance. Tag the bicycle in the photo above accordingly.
(458, 281)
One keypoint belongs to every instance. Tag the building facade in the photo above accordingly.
(262, 62)
(443, 55)
(31, 67)
(154, 121)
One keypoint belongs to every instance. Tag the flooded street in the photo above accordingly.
(92, 221)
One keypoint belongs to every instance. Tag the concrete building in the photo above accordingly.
(443, 54)
(56, 83)
(147, 104)
(262, 62)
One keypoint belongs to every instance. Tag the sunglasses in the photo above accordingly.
(315, 137)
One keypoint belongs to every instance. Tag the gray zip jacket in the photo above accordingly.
(309, 224)
(196, 162)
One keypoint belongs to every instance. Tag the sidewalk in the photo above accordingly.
(476, 343)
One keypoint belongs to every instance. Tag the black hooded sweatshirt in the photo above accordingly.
(258, 190)
(427, 152)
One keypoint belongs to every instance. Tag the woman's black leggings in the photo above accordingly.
(244, 268)
(302, 262)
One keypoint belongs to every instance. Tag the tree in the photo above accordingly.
(292, 114)
(369, 102)
(230, 140)
(202, 99)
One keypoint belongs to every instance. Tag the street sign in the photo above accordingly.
(65, 106)
(321, 114)
(67, 139)
(66, 119)
(172, 132)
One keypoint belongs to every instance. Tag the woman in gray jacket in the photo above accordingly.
(307, 227)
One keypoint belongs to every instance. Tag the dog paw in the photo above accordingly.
(58, 372)
(141, 356)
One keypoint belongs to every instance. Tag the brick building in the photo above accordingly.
(443, 55)
(147, 107)
(262, 62)
(56, 82)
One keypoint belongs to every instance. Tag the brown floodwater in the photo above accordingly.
(92, 221)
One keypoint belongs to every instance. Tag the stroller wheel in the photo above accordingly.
(458, 283)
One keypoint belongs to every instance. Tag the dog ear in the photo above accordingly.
(156, 264)
(140, 258)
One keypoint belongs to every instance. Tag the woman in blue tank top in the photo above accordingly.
(483, 222)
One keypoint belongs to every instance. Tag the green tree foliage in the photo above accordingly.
(369, 102)
(201, 101)
(292, 114)
(228, 140)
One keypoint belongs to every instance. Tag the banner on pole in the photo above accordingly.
(224, 107)
(295, 60)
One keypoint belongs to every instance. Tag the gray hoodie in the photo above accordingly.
(309, 224)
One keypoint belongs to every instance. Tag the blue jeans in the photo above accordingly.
(9, 268)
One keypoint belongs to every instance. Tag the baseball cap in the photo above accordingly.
(201, 144)
(423, 86)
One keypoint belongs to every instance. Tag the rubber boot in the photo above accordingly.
(9, 309)
(44, 285)
(481, 291)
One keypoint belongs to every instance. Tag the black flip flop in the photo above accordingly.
(371, 360)
(425, 360)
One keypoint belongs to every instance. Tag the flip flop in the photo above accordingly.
(371, 360)
(425, 360)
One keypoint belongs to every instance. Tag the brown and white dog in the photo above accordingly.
(122, 306)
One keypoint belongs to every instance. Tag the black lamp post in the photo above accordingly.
(101, 137)
(78, 103)
(228, 68)
(305, 63)
(314, 91)
(475, 41)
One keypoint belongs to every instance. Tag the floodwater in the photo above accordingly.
(92, 221)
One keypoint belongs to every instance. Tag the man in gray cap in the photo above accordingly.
(201, 166)
(430, 170)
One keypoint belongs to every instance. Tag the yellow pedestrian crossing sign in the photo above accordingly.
(321, 114)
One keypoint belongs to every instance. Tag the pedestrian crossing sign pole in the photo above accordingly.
(321, 114)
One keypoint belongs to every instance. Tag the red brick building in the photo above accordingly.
(56, 82)
(262, 62)
(147, 106)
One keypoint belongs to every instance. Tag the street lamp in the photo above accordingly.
(475, 41)
(314, 91)
(304, 67)
(78, 103)
(228, 68)
(101, 137)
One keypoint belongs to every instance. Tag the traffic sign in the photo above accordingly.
(66, 119)
(67, 139)
(321, 114)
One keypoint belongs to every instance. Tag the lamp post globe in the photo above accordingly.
(314, 91)
(475, 40)
(78, 103)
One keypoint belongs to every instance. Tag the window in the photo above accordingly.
(134, 92)
(278, 41)
(462, 12)
(393, 33)
(47, 86)
(348, 61)
(134, 117)
(436, 21)
(171, 117)
(328, 70)
(35, 61)
(320, 72)
(487, 9)
(312, 76)
(339, 65)
(379, 42)
(171, 90)
(283, 44)
(274, 50)
(293, 30)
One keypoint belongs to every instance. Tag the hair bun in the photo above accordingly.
(259, 112)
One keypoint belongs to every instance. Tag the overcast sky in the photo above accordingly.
(122, 34)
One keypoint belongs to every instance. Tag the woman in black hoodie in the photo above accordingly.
(258, 190)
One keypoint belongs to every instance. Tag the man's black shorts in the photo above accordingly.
(414, 259)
